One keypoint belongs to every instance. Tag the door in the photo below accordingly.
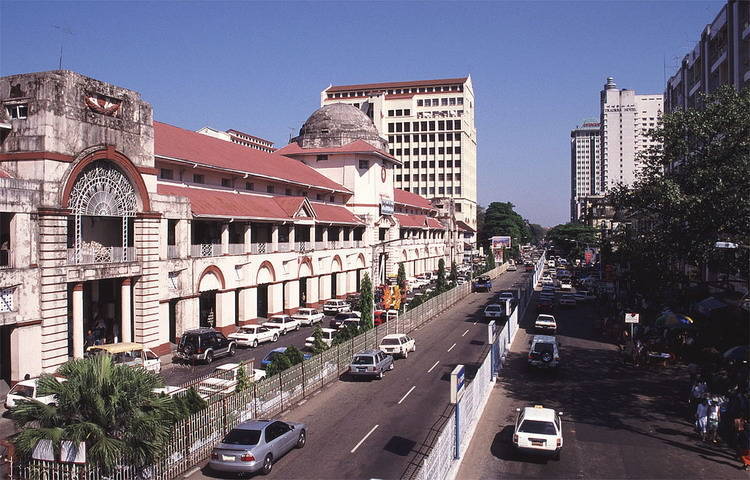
(303, 292)
(173, 321)
(5, 353)
(262, 302)
(334, 277)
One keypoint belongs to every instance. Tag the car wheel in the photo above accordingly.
(406, 354)
(302, 439)
(267, 465)
(255, 343)
(232, 350)
(209, 357)
(380, 375)
(275, 337)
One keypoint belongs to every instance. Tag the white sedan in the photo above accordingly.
(538, 430)
(398, 344)
(545, 322)
(327, 337)
(494, 310)
(565, 284)
(308, 316)
(282, 323)
(252, 335)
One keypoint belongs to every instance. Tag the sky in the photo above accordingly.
(537, 66)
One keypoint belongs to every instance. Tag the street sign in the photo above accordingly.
(632, 318)
(458, 376)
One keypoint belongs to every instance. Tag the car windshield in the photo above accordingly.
(242, 437)
(390, 341)
(276, 320)
(544, 348)
(493, 308)
(538, 427)
(25, 391)
(248, 330)
(363, 360)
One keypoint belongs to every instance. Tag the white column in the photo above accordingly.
(224, 238)
(225, 309)
(275, 298)
(126, 314)
(292, 295)
(78, 321)
(248, 236)
(274, 238)
(292, 237)
(312, 290)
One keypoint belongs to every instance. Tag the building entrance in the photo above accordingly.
(263, 300)
(334, 278)
(303, 292)
(207, 308)
(5, 332)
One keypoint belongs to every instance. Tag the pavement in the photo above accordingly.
(619, 421)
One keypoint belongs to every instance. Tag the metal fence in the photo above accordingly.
(195, 437)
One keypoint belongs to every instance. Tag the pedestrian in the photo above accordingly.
(743, 448)
(701, 418)
(714, 416)
(90, 338)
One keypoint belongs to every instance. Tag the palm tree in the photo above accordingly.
(110, 407)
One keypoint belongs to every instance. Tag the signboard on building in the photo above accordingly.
(386, 206)
(632, 318)
(458, 379)
(500, 242)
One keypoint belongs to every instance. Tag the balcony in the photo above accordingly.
(236, 248)
(260, 247)
(6, 259)
(206, 250)
(321, 245)
(303, 247)
(173, 251)
(95, 254)
(284, 247)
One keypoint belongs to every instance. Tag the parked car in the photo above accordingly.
(283, 323)
(28, 390)
(255, 445)
(370, 363)
(512, 268)
(483, 283)
(565, 284)
(225, 381)
(568, 300)
(382, 316)
(398, 344)
(204, 344)
(276, 352)
(327, 337)
(332, 307)
(130, 354)
(460, 280)
(338, 320)
(493, 311)
(538, 430)
(308, 316)
(354, 299)
(354, 322)
(252, 335)
(584, 296)
(544, 352)
(545, 322)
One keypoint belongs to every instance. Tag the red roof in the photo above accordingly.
(416, 83)
(434, 223)
(414, 221)
(180, 144)
(357, 146)
(412, 199)
(463, 226)
(325, 212)
(290, 205)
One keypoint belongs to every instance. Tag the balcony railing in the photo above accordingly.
(259, 247)
(237, 248)
(334, 244)
(6, 259)
(303, 247)
(284, 247)
(173, 251)
(321, 245)
(100, 254)
(206, 250)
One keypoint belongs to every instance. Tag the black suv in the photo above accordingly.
(337, 321)
(204, 344)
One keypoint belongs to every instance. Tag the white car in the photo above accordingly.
(283, 323)
(512, 268)
(493, 310)
(568, 300)
(332, 307)
(565, 284)
(252, 335)
(308, 316)
(27, 390)
(545, 322)
(327, 337)
(538, 430)
(225, 379)
(398, 344)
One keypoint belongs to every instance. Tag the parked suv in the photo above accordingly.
(337, 321)
(204, 344)
(544, 352)
(370, 363)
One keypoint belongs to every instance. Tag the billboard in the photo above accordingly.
(500, 242)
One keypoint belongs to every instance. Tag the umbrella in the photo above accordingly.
(669, 318)
(740, 352)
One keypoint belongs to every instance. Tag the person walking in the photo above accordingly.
(714, 416)
(743, 447)
(701, 418)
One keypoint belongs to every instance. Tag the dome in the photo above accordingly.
(336, 125)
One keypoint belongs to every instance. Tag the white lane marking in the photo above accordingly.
(432, 367)
(464, 334)
(365, 438)
(475, 323)
(407, 394)
(451, 347)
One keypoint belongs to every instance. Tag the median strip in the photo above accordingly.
(407, 394)
(432, 367)
(452, 346)
(365, 438)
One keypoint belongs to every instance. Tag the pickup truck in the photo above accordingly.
(226, 380)
(482, 284)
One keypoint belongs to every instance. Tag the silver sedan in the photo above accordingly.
(255, 445)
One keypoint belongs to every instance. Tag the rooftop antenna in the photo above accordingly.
(63, 30)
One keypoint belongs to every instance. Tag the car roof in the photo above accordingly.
(228, 366)
(394, 335)
(253, 425)
(198, 331)
(279, 315)
(279, 350)
(368, 352)
(544, 316)
(329, 330)
(544, 339)
(538, 412)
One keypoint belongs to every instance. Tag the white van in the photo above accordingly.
(28, 390)
(130, 354)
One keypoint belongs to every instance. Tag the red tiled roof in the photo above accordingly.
(290, 205)
(416, 83)
(325, 212)
(357, 146)
(434, 223)
(177, 143)
(463, 226)
(414, 221)
(412, 199)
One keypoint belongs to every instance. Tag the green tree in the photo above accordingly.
(110, 407)
(243, 380)
(401, 278)
(489, 262)
(278, 365)
(294, 355)
(501, 219)
(570, 239)
(318, 344)
(366, 299)
(453, 277)
(537, 233)
(188, 403)
(440, 284)
(692, 192)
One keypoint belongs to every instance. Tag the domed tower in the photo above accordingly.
(337, 125)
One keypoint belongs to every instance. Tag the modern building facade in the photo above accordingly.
(430, 129)
(626, 118)
(585, 165)
(241, 138)
(140, 230)
(721, 57)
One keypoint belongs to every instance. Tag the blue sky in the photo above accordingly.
(258, 67)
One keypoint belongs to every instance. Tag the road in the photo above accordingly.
(618, 422)
(377, 429)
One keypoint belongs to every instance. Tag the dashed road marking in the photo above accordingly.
(363, 439)
(464, 334)
(407, 394)
(452, 346)
(432, 367)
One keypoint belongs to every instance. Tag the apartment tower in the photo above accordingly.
(585, 166)
(430, 128)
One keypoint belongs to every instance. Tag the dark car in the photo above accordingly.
(483, 283)
(337, 321)
(204, 344)
(354, 299)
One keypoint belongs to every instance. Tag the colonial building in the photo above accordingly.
(136, 230)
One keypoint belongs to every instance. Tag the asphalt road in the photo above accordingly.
(618, 422)
(379, 428)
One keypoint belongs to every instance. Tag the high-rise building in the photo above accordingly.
(721, 57)
(242, 138)
(626, 118)
(585, 165)
(429, 126)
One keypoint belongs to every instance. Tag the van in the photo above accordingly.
(130, 354)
